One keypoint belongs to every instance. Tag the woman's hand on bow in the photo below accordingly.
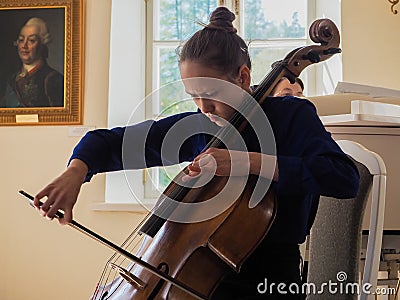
(62, 192)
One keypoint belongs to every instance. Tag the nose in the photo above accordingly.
(205, 105)
(23, 43)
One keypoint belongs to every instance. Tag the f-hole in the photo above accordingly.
(103, 297)
(163, 267)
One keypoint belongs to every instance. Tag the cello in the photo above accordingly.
(188, 260)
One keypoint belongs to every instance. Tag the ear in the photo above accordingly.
(245, 78)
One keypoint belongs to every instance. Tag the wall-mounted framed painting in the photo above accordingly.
(41, 62)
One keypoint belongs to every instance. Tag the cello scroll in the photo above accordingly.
(322, 31)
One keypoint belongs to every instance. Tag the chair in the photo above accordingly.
(335, 239)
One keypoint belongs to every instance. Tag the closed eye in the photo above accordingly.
(207, 95)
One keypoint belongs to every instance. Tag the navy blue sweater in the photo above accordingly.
(310, 163)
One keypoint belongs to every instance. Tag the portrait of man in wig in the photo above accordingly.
(35, 84)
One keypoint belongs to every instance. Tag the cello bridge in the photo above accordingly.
(129, 277)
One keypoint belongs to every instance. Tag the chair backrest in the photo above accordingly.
(335, 239)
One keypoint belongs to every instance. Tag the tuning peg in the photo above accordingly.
(332, 51)
(312, 56)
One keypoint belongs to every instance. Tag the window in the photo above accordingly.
(172, 22)
(271, 28)
(272, 31)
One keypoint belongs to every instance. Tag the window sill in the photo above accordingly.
(123, 207)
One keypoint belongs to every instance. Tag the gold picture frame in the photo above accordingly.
(41, 62)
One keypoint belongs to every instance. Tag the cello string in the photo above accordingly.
(108, 270)
(110, 274)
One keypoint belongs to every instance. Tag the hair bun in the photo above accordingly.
(221, 18)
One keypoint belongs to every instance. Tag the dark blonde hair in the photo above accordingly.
(217, 45)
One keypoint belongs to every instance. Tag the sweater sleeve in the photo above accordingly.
(319, 166)
(100, 150)
(138, 146)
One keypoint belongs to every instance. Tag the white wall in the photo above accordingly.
(371, 43)
(40, 259)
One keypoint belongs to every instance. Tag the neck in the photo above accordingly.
(29, 67)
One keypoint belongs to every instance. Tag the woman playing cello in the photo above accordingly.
(307, 164)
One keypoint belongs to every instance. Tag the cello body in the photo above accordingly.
(208, 250)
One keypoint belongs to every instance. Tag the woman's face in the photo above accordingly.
(29, 44)
(211, 91)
